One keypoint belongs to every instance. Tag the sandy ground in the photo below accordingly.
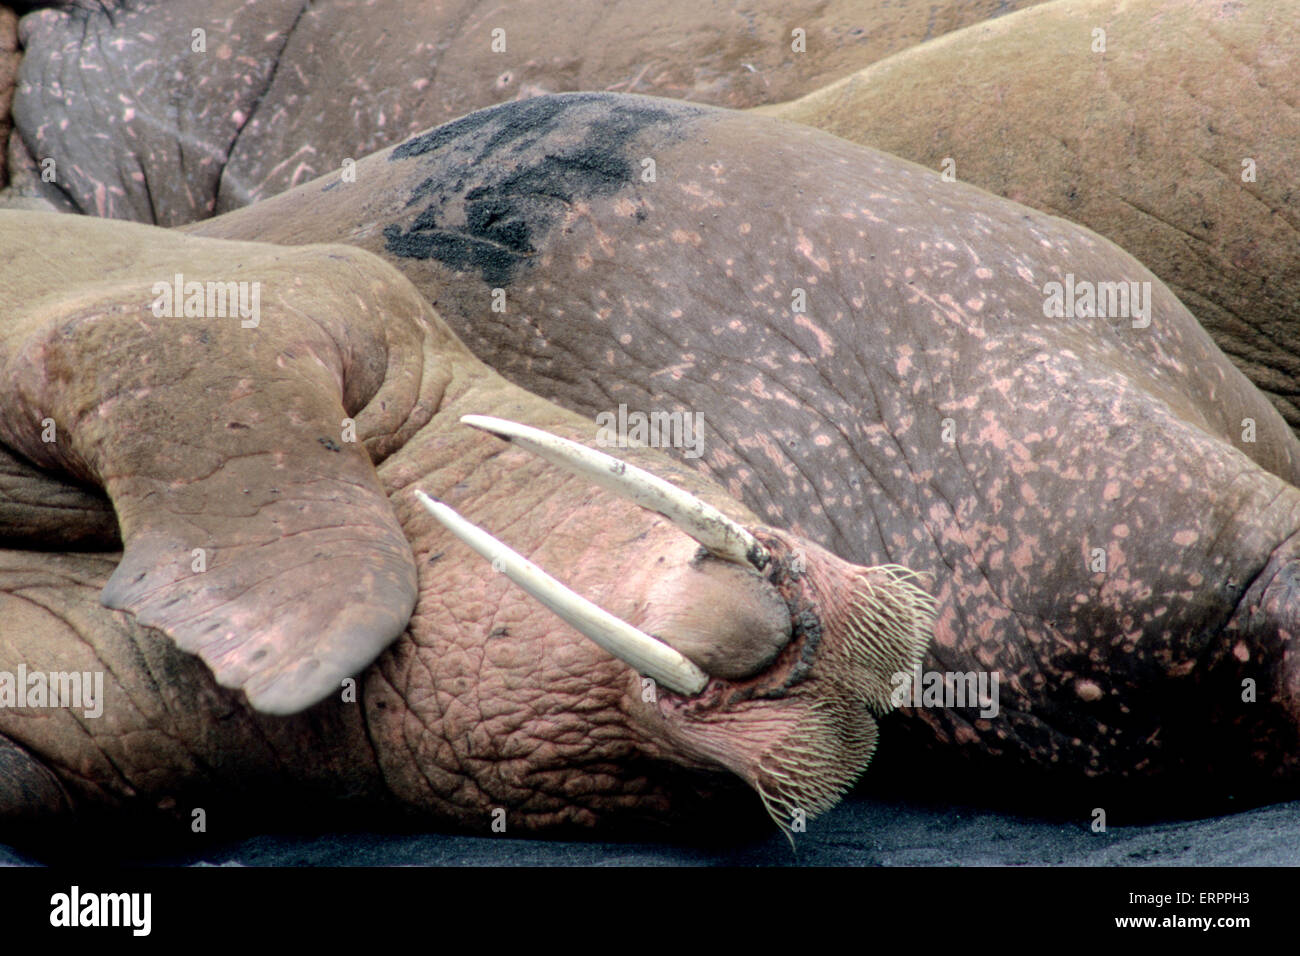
(860, 832)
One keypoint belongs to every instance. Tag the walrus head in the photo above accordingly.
(761, 652)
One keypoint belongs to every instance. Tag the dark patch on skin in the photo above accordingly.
(500, 179)
(329, 443)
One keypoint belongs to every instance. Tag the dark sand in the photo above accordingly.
(860, 832)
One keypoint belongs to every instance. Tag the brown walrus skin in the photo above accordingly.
(1178, 142)
(143, 127)
(480, 707)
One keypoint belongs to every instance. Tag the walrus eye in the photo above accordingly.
(648, 656)
(721, 536)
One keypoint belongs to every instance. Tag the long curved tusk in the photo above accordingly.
(703, 522)
(647, 655)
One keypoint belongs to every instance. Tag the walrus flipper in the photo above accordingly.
(255, 531)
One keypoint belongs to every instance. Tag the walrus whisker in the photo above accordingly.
(723, 537)
(648, 656)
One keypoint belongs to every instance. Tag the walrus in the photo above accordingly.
(1168, 126)
(288, 630)
(146, 120)
(908, 371)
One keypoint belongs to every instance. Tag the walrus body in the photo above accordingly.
(147, 120)
(1107, 505)
(1168, 126)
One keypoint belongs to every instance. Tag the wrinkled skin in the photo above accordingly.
(925, 314)
(286, 91)
(206, 434)
(1144, 143)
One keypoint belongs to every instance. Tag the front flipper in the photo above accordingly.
(255, 531)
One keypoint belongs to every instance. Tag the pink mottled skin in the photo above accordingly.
(922, 409)
(209, 436)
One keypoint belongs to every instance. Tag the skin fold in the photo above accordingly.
(206, 433)
(922, 409)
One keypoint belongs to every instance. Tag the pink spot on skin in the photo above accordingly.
(1111, 491)
(1241, 652)
(707, 196)
(805, 248)
(1120, 531)
(744, 228)
(995, 434)
(1087, 690)
(1024, 557)
(945, 630)
(974, 304)
(682, 237)
(824, 341)
(1185, 539)
(903, 364)
(983, 273)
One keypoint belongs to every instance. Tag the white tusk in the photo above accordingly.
(648, 656)
(703, 522)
